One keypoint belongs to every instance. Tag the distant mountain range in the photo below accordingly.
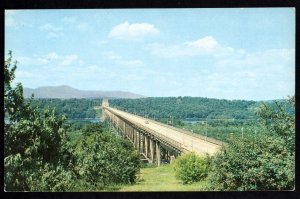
(67, 92)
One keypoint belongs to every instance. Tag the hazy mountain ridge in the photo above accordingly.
(67, 92)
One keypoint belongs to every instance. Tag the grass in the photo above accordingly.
(161, 179)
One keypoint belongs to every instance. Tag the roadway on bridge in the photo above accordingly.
(188, 142)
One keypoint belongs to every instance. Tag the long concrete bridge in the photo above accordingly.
(157, 141)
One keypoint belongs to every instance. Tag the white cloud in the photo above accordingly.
(24, 74)
(52, 31)
(51, 58)
(69, 60)
(50, 28)
(264, 75)
(33, 61)
(136, 31)
(260, 75)
(207, 43)
(206, 46)
(276, 60)
(51, 69)
(112, 55)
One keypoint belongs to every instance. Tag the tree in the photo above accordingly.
(33, 141)
(280, 121)
(105, 159)
(38, 156)
(265, 161)
(191, 168)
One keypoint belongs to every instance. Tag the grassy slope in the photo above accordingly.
(161, 179)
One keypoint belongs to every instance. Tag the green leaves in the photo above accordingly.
(39, 158)
(185, 107)
(103, 160)
(264, 161)
(191, 168)
(73, 108)
(33, 140)
(279, 120)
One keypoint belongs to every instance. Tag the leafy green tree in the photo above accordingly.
(186, 107)
(280, 121)
(39, 157)
(33, 140)
(191, 168)
(104, 159)
(73, 108)
(265, 161)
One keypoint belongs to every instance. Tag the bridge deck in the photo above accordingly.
(188, 142)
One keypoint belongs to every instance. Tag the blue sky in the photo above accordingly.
(230, 53)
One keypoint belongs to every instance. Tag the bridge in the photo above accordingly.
(157, 141)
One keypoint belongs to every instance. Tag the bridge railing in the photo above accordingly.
(208, 139)
(162, 137)
(158, 136)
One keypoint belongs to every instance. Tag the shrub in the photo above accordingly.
(254, 163)
(265, 161)
(105, 159)
(191, 168)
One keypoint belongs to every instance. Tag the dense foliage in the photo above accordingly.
(262, 161)
(186, 107)
(104, 159)
(33, 141)
(191, 168)
(40, 156)
(222, 130)
(73, 108)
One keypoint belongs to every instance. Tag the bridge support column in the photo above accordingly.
(146, 146)
(135, 138)
(124, 129)
(158, 153)
(151, 150)
(164, 152)
(143, 143)
(168, 156)
(139, 141)
(128, 131)
(132, 135)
